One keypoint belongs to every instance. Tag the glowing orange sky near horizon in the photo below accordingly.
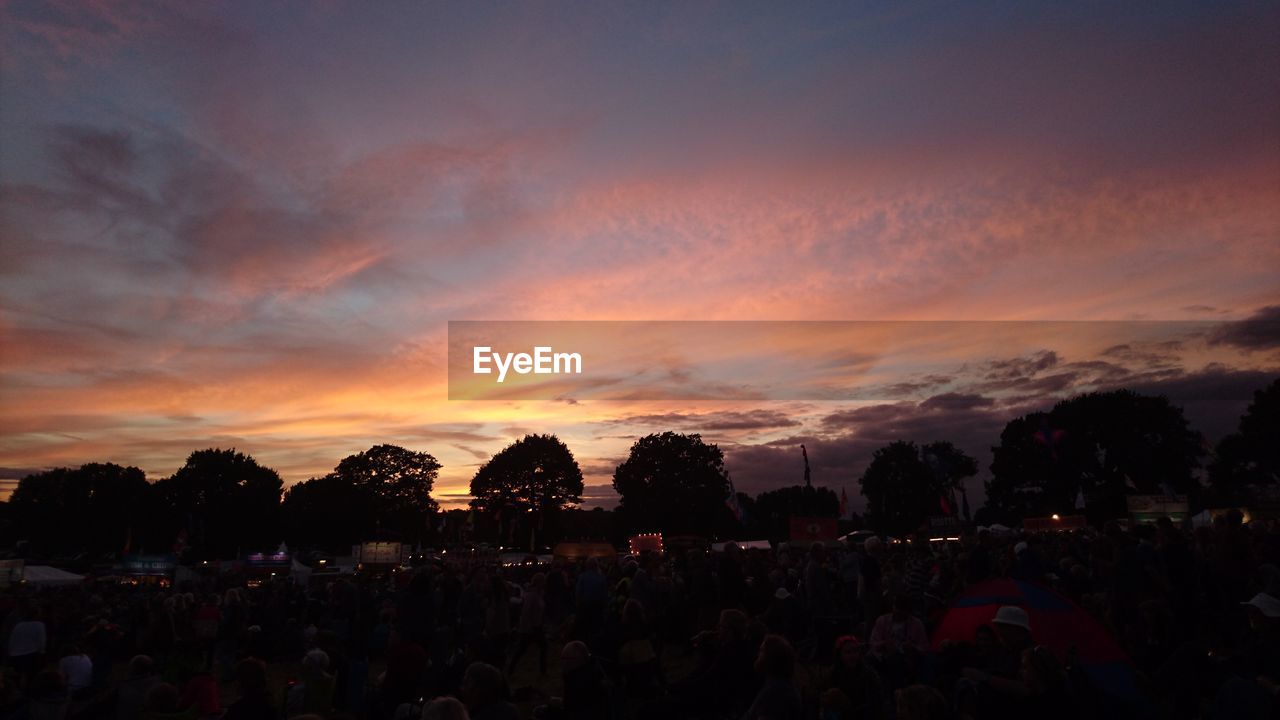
(231, 225)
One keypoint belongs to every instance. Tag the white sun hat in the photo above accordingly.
(1012, 615)
(1266, 604)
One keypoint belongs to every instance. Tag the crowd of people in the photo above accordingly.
(828, 632)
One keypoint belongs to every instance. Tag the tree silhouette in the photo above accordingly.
(536, 473)
(1102, 445)
(329, 513)
(98, 507)
(1251, 455)
(774, 508)
(525, 485)
(905, 484)
(397, 483)
(222, 503)
(675, 483)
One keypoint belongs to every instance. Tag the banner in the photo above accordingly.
(810, 529)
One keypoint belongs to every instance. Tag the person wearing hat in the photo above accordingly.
(1258, 660)
(1002, 684)
(856, 680)
(1013, 625)
(1026, 563)
(785, 615)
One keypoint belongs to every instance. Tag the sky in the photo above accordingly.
(248, 224)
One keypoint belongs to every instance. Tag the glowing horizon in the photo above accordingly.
(239, 225)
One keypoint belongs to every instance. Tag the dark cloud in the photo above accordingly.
(17, 473)
(1023, 367)
(956, 401)
(1159, 354)
(714, 421)
(1259, 331)
(1213, 398)
(599, 496)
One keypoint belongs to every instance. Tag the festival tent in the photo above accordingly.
(46, 576)
(1057, 623)
(742, 545)
(574, 551)
(301, 573)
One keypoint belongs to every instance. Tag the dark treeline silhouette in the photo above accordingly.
(1148, 621)
(1087, 453)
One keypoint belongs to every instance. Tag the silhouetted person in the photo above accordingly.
(486, 693)
(586, 687)
(255, 701)
(778, 698)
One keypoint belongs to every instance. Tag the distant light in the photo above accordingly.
(1055, 516)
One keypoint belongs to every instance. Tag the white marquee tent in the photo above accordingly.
(47, 576)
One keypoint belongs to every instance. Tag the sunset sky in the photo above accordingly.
(247, 224)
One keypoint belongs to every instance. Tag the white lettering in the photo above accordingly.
(502, 367)
(542, 362)
(576, 359)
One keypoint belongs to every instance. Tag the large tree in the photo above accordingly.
(773, 509)
(399, 482)
(674, 483)
(535, 473)
(1101, 446)
(222, 503)
(329, 513)
(906, 484)
(96, 508)
(1250, 457)
(528, 483)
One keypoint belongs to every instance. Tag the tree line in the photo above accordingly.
(1086, 454)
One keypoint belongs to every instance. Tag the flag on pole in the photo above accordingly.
(734, 505)
(844, 503)
(1080, 499)
(964, 503)
(944, 505)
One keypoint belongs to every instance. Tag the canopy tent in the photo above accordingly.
(1204, 518)
(301, 573)
(742, 545)
(574, 551)
(46, 576)
(1057, 623)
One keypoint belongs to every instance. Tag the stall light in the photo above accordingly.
(1055, 516)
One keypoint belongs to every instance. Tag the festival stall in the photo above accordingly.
(148, 569)
(263, 567)
(645, 542)
(576, 551)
